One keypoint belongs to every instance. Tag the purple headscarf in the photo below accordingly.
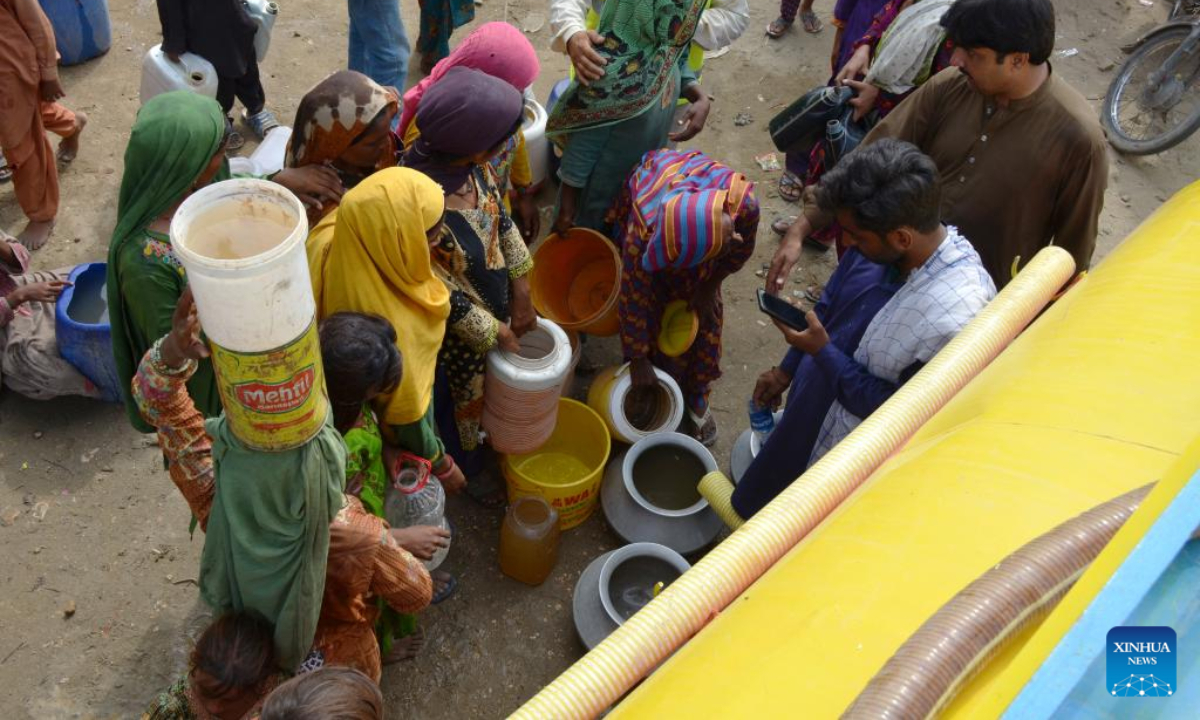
(464, 113)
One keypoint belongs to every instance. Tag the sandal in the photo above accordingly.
(235, 143)
(261, 122)
(705, 428)
(779, 27)
(791, 187)
(449, 585)
(812, 23)
(783, 224)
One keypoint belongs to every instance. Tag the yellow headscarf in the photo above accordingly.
(372, 256)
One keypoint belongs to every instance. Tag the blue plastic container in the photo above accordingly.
(84, 333)
(82, 29)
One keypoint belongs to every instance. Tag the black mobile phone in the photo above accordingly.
(782, 310)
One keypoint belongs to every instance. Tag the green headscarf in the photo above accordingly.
(174, 138)
(643, 40)
(267, 541)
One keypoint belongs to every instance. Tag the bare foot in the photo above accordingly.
(69, 147)
(35, 234)
(406, 648)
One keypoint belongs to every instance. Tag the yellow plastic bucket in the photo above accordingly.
(568, 469)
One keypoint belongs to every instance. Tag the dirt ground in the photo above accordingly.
(90, 521)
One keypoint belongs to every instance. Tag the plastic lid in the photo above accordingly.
(678, 328)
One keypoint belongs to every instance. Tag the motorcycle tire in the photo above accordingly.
(1109, 113)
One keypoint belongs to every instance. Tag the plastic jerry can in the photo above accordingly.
(263, 14)
(160, 75)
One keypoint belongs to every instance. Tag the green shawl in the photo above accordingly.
(267, 541)
(174, 138)
(643, 40)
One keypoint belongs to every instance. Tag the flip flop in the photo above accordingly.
(447, 590)
(812, 23)
(791, 187)
(779, 27)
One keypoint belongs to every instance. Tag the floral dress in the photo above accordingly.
(478, 257)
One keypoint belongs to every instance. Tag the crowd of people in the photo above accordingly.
(422, 209)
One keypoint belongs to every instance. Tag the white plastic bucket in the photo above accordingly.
(537, 147)
(521, 390)
(161, 75)
(607, 397)
(255, 300)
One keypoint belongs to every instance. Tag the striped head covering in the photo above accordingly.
(677, 199)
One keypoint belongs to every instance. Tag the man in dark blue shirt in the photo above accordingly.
(856, 291)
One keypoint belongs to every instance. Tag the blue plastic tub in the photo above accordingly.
(83, 331)
(82, 29)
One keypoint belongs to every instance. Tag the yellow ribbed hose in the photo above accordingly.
(602, 676)
(718, 491)
(958, 641)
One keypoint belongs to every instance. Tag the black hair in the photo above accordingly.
(361, 359)
(1003, 26)
(236, 654)
(886, 185)
(331, 693)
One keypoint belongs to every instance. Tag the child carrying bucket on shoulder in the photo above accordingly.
(362, 362)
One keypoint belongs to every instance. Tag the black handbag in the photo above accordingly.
(803, 123)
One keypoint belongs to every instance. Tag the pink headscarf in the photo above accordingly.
(496, 48)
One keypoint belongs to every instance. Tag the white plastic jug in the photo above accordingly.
(415, 497)
(160, 75)
(267, 158)
(263, 14)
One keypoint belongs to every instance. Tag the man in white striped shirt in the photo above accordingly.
(887, 198)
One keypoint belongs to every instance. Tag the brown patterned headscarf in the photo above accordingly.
(334, 114)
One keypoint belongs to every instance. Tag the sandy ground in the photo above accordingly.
(89, 520)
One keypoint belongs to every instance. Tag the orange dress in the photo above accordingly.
(364, 561)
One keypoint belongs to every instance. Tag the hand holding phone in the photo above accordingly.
(782, 310)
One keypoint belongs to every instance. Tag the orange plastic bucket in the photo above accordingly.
(575, 281)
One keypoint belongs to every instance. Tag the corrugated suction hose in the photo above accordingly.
(599, 678)
(958, 641)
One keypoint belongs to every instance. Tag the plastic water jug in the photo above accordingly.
(160, 74)
(537, 147)
(529, 540)
(263, 14)
(82, 29)
(242, 245)
(762, 421)
(267, 158)
(83, 331)
(415, 497)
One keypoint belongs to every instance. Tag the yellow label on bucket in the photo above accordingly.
(275, 399)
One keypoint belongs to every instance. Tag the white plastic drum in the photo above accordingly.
(242, 245)
(521, 390)
(611, 388)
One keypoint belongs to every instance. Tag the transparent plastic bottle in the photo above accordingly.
(415, 497)
(762, 421)
(529, 540)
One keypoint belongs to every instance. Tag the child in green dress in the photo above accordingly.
(362, 362)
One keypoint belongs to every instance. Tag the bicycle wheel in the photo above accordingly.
(1142, 118)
